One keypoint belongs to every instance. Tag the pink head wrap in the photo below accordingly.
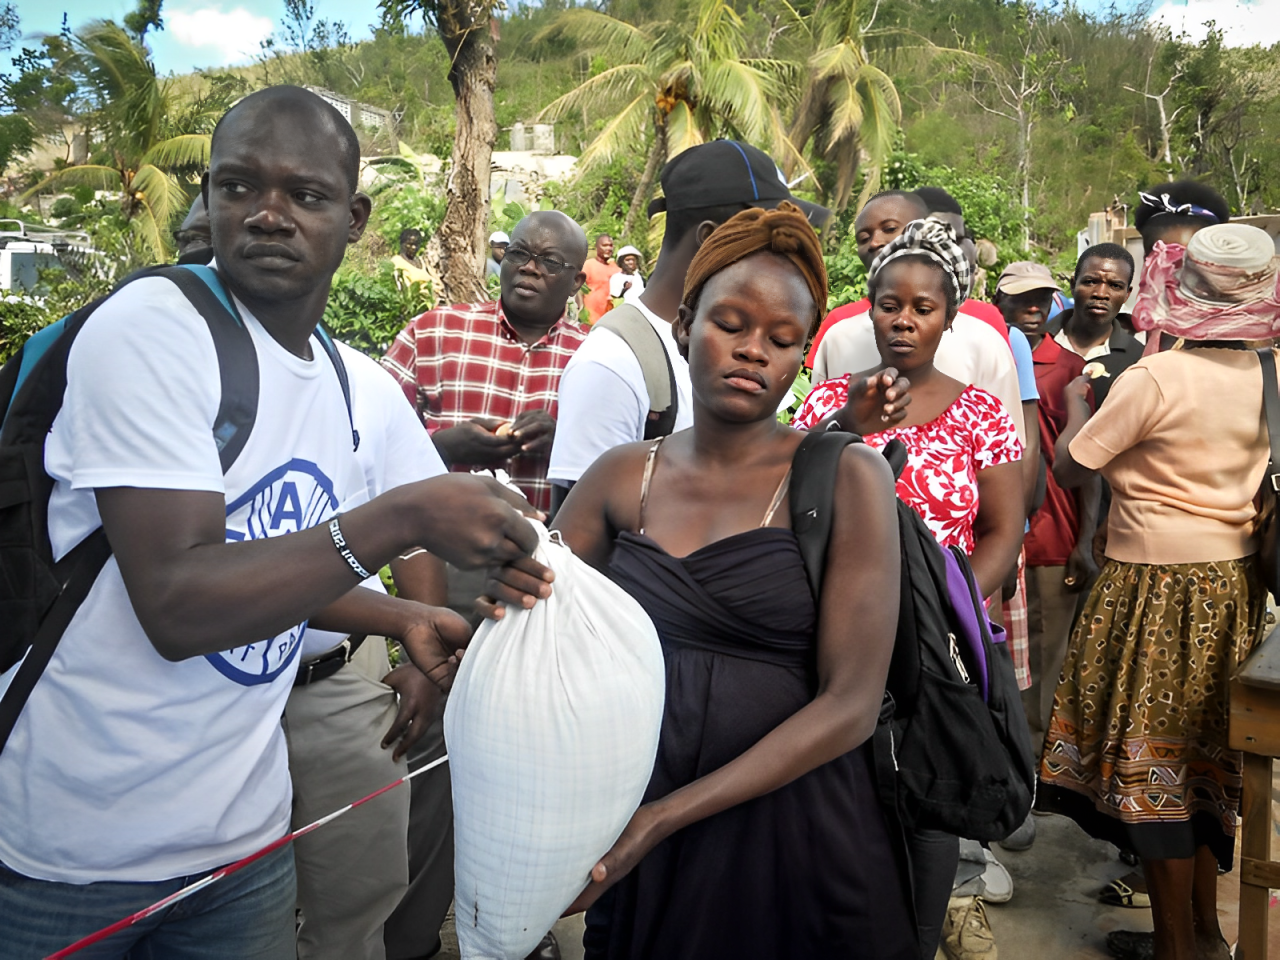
(1224, 285)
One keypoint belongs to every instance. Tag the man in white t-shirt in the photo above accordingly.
(603, 399)
(150, 751)
(351, 718)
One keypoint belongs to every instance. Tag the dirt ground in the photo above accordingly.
(1054, 913)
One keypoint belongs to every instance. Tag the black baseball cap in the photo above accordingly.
(725, 172)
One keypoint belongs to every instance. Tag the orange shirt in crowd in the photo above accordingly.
(597, 299)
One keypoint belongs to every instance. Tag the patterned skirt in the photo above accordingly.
(1139, 726)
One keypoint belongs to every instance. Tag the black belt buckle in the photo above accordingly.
(322, 668)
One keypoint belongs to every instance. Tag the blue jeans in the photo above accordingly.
(246, 916)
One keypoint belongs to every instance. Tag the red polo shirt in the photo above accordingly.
(1055, 526)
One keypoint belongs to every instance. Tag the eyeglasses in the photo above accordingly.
(518, 258)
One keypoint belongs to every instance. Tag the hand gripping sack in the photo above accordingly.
(552, 729)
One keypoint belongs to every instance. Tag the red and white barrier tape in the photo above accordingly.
(233, 867)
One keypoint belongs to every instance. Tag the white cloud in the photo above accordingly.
(230, 36)
(1243, 23)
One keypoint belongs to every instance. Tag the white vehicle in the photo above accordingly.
(26, 249)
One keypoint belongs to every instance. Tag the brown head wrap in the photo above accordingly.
(783, 231)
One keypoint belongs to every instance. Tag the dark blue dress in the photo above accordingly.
(807, 872)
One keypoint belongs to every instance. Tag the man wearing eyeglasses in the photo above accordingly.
(484, 376)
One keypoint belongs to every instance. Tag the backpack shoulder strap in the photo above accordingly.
(655, 364)
(331, 351)
(78, 571)
(812, 496)
(237, 357)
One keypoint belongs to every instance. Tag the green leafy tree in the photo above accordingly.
(672, 84)
(368, 310)
(140, 152)
(17, 132)
(1022, 86)
(849, 106)
(145, 17)
(1224, 105)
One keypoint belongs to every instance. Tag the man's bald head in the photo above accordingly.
(569, 236)
(542, 269)
(266, 107)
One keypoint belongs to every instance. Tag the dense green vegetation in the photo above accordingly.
(1033, 116)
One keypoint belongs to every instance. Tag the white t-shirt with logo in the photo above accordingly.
(125, 766)
(603, 400)
(394, 450)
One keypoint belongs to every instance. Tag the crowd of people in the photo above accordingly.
(1098, 466)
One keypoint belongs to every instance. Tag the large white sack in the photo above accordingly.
(552, 729)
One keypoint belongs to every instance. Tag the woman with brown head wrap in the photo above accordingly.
(761, 836)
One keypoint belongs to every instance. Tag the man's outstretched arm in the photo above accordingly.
(195, 594)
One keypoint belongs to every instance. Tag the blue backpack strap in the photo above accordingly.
(331, 350)
(237, 357)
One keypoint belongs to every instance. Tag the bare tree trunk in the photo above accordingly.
(473, 74)
(644, 188)
(1024, 166)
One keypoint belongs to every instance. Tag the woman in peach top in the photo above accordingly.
(1136, 750)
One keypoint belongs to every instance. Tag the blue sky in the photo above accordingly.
(210, 33)
(197, 33)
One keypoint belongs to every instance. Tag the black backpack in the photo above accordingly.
(952, 750)
(38, 596)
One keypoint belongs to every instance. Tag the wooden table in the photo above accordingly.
(1255, 729)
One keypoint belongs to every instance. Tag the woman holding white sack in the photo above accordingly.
(761, 835)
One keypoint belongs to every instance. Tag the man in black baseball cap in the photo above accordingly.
(727, 173)
(606, 396)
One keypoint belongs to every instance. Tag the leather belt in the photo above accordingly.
(324, 667)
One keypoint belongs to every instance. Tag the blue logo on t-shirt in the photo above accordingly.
(292, 497)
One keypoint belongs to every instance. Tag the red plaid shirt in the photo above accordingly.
(466, 361)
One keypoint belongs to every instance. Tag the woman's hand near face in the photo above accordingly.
(876, 402)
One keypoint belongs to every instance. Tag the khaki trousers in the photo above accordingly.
(351, 872)
(414, 928)
(1051, 614)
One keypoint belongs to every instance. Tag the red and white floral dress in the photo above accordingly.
(940, 481)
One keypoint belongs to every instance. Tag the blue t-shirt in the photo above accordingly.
(1026, 367)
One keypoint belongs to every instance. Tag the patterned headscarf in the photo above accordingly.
(938, 242)
(783, 231)
(1224, 285)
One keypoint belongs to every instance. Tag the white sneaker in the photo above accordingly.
(996, 880)
(993, 885)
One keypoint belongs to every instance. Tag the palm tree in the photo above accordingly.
(850, 107)
(131, 114)
(673, 84)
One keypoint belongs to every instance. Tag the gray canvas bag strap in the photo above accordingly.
(655, 364)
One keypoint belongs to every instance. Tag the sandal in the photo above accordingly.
(1119, 893)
